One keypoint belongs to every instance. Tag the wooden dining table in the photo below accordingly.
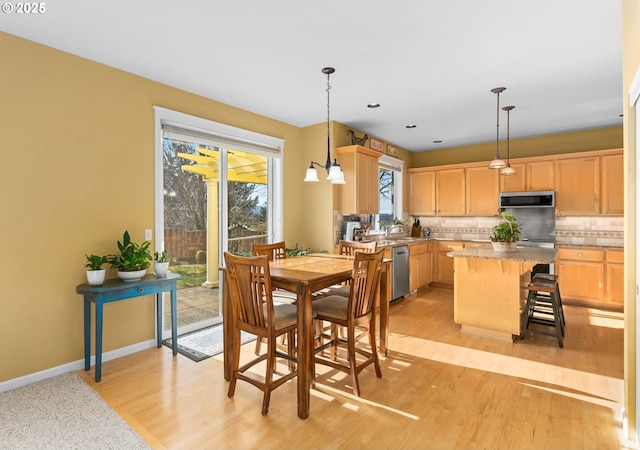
(303, 276)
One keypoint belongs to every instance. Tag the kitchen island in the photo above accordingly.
(490, 288)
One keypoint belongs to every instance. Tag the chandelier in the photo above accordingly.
(335, 174)
(497, 162)
(508, 170)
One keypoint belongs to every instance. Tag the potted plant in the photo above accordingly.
(506, 234)
(133, 260)
(95, 272)
(161, 262)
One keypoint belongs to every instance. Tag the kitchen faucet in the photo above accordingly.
(389, 229)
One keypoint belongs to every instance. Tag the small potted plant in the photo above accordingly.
(95, 272)
(506, 234)
(133, 260)
(161, 262)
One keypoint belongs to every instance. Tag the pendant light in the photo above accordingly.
(508, 170)
(335, 174)
(497, 162)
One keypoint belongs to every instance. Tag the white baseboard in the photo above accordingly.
(73, 366)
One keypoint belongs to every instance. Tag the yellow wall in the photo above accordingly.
(631, 66)
(77, 146)
(552, 144)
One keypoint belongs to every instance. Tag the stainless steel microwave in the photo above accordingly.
(537, 199)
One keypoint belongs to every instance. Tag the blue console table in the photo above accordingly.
(115, 289)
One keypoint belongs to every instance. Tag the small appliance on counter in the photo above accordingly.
(353, 231)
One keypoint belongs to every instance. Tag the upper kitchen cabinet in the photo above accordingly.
(482, 190)
(578, 185)
(360, 194)
(612, 184)
(422, 193)
(530, 176)
(450, 192)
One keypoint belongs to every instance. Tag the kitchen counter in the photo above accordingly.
(534, 255)
(490, 288)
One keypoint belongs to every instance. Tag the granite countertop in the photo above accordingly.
(521, 254)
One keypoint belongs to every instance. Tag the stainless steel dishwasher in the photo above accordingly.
(400, 270)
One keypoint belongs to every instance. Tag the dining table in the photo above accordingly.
(304, 276)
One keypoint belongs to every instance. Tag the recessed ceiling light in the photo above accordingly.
(411, 126)
(373, 105)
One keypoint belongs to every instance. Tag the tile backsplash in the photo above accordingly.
(597, 231)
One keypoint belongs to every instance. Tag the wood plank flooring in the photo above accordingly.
(440, 389)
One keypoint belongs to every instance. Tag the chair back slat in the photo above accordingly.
(366, 280)
(273, 251)
(250, 289)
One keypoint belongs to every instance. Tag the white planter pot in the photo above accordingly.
(161, 268)
(96, 277)
(134, 275)
(503, 247)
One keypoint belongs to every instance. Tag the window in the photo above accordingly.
(390, 191)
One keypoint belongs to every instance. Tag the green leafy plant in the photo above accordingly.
(298, 251)
(132, 256)
(508, 230)
(161, 256)
(95, 262)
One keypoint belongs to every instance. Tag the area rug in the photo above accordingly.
(62, 412)
(205, 343)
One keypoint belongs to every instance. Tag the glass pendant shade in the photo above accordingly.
(312, 175)
(507, 171)
(338, 176)
(497, 163)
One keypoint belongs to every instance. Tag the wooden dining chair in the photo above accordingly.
(352, 312)
(274, 252)
(349, 248)
(254, 312)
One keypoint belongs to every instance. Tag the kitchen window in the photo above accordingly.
(390, 191)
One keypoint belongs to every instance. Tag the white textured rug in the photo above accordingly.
(62, 412)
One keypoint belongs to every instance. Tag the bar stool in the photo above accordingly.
(554, 278)
(543, 308)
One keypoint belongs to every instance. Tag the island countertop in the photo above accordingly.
(521, 254)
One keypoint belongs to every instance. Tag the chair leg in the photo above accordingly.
(268, 379)
(353, 363)
(236, 365)
(374, 350)
(334, 339)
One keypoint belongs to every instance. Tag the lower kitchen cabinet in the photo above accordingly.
(615, 278)
(443, 264)
(582, 276)
(420, 265)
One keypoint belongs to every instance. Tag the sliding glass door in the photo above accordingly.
(216, 194)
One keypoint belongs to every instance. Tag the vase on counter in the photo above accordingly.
(503, 247)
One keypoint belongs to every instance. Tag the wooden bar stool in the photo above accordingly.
(554, 278)
(543, 308)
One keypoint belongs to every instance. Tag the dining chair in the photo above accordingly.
(349, 248)
(352, 312)
(254, 312)
(274, 252)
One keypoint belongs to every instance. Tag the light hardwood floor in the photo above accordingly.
(440, 389)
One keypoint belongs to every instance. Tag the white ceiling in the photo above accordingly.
(429, 63)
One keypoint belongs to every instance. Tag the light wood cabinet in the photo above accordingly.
(360, 194)
(450, 192)
(612, 184)
(420, 265)
(422, 193)
(482, 191)
(578, 186)
(443, 264)
(615, 278)
(581, 274)
(530, 176)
